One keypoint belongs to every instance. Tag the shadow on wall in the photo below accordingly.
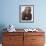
(2, 26)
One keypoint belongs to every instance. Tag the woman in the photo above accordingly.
(26, 14)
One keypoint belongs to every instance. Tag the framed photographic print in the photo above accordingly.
(26, 13)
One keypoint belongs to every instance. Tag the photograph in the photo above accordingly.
(26, 13)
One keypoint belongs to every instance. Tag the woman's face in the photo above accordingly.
(28, 10)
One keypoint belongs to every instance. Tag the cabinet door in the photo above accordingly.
(15, 40)
(37, 40)
(18, 41)
(27, 40)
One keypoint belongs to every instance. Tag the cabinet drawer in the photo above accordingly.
(34, 33)
(8, 44)
(13, 33)
(12, 44)
(27, 41)
(12, 39)
(37, 39)
(37, 44)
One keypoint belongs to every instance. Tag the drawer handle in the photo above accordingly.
(11, 38)
(33, 39)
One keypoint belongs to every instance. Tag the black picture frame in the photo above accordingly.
(21, 9)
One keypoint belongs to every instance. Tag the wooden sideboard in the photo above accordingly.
(23, 39)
